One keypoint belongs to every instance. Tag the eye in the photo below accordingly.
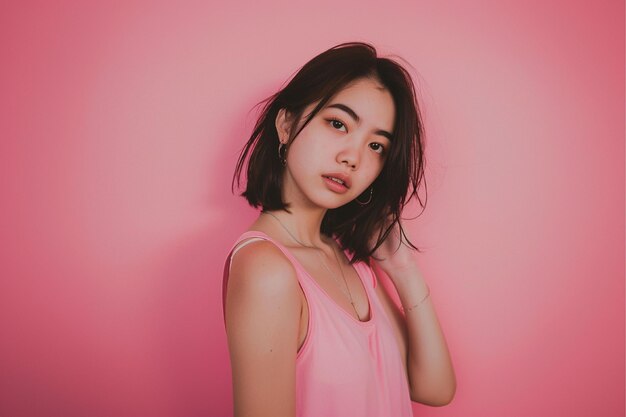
(377, 147)
(337, 124)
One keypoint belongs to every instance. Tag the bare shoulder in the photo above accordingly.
(262, 285)
(262, 266)
(262, 322)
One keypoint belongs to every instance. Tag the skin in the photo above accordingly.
(266, 311)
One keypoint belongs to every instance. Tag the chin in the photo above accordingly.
(329, 201)
(331, 204)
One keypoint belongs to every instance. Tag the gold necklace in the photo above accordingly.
(349, 293)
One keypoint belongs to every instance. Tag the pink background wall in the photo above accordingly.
(120, 126)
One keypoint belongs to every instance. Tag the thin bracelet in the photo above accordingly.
(423, 299)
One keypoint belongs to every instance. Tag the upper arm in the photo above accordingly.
(262, 322)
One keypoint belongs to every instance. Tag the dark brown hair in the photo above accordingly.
(318, 81)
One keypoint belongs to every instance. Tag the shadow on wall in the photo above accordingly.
(188, 326)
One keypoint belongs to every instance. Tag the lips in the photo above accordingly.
(339, 178)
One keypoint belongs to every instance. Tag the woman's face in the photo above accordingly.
(342, 149)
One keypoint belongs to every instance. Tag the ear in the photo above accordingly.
(283, 125)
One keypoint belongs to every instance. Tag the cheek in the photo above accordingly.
(303, 156)
(306, 149)
(376, 163)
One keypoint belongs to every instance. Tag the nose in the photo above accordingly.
(349, 155)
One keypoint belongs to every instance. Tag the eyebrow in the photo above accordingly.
(357, 118)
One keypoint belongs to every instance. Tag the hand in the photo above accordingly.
(394, 255)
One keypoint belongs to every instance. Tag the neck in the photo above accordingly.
(302, 224)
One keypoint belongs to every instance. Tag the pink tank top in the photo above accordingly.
(345, 367)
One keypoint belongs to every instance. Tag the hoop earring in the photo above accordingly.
(282, 154)
(368, 201)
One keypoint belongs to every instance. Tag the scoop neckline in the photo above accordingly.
(331, 300)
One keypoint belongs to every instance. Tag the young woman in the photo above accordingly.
(333, 159)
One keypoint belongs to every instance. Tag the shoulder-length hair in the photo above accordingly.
(318, 81)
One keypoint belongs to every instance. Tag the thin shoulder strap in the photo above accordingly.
(236, 246)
